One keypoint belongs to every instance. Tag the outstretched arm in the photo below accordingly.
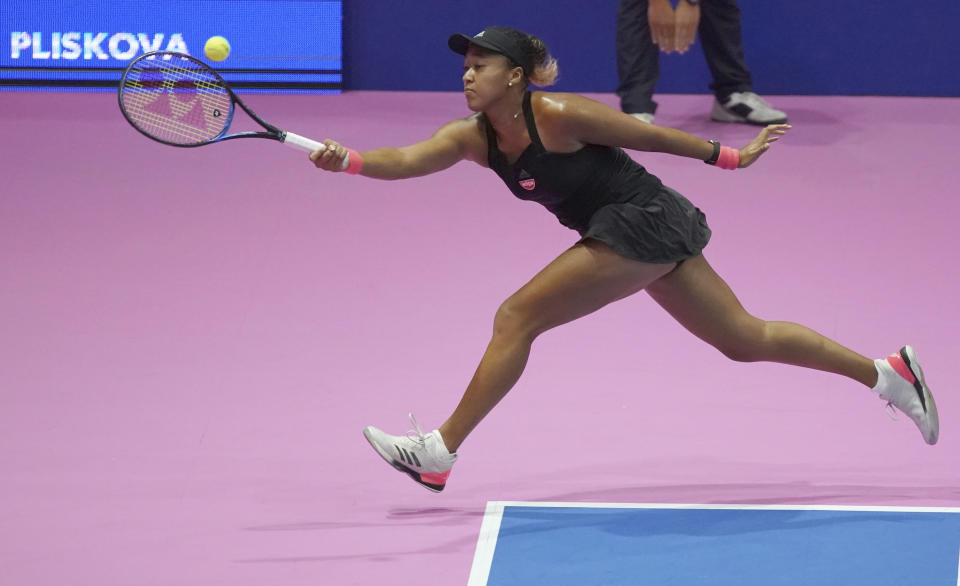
(447, 146)
(581, 120)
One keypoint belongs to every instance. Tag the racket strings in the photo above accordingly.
(177, 101)
(175, 121)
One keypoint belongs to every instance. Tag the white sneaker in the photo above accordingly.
(747, 107)
(644, 117)
(423, 457)
(902, 385)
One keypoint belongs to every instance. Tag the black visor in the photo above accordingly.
(498, 39)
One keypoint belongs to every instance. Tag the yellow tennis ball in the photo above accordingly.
(217, 48)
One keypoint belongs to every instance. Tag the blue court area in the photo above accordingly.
(583, 544)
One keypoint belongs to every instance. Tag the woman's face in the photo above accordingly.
(485, 77)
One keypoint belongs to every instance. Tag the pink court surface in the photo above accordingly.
(191, 340)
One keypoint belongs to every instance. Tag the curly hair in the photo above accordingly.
(545, 70)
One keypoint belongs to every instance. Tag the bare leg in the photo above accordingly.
(581, 280)
(703, 303)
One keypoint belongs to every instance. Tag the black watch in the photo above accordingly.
(716, 153)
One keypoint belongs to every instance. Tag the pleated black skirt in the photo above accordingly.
(662, 228)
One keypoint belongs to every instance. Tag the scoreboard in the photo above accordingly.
(276, 45)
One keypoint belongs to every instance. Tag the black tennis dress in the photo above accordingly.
(602, 193)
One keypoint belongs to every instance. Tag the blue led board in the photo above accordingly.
(276, 45)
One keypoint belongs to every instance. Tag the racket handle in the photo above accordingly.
(304, 143)
(301, 142)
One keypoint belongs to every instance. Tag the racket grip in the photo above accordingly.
(304, 143)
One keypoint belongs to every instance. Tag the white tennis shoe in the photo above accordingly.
(902, 385)
(423, 457)
(747, 107)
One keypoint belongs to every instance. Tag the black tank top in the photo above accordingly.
(573, 186)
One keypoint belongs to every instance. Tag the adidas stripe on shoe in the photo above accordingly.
(423, 457)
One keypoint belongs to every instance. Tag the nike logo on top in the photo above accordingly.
(901, 363)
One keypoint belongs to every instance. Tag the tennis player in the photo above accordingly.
(564, 151)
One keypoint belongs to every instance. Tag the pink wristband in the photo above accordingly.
(355, 163)
(729, 158)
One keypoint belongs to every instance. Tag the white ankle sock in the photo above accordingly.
(443, 445)
(884, 374)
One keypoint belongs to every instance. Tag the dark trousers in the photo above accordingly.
(638, 59)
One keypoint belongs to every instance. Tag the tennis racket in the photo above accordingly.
(178, 100)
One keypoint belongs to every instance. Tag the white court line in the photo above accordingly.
(486, 544)
(858, 508)
(490, 528)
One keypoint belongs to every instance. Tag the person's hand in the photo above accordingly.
(662, 24)
(685, 25)
(769, 135)
(329, 158)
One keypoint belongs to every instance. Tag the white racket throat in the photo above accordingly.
(304, 143)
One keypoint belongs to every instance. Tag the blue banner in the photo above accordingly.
(275, 45)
